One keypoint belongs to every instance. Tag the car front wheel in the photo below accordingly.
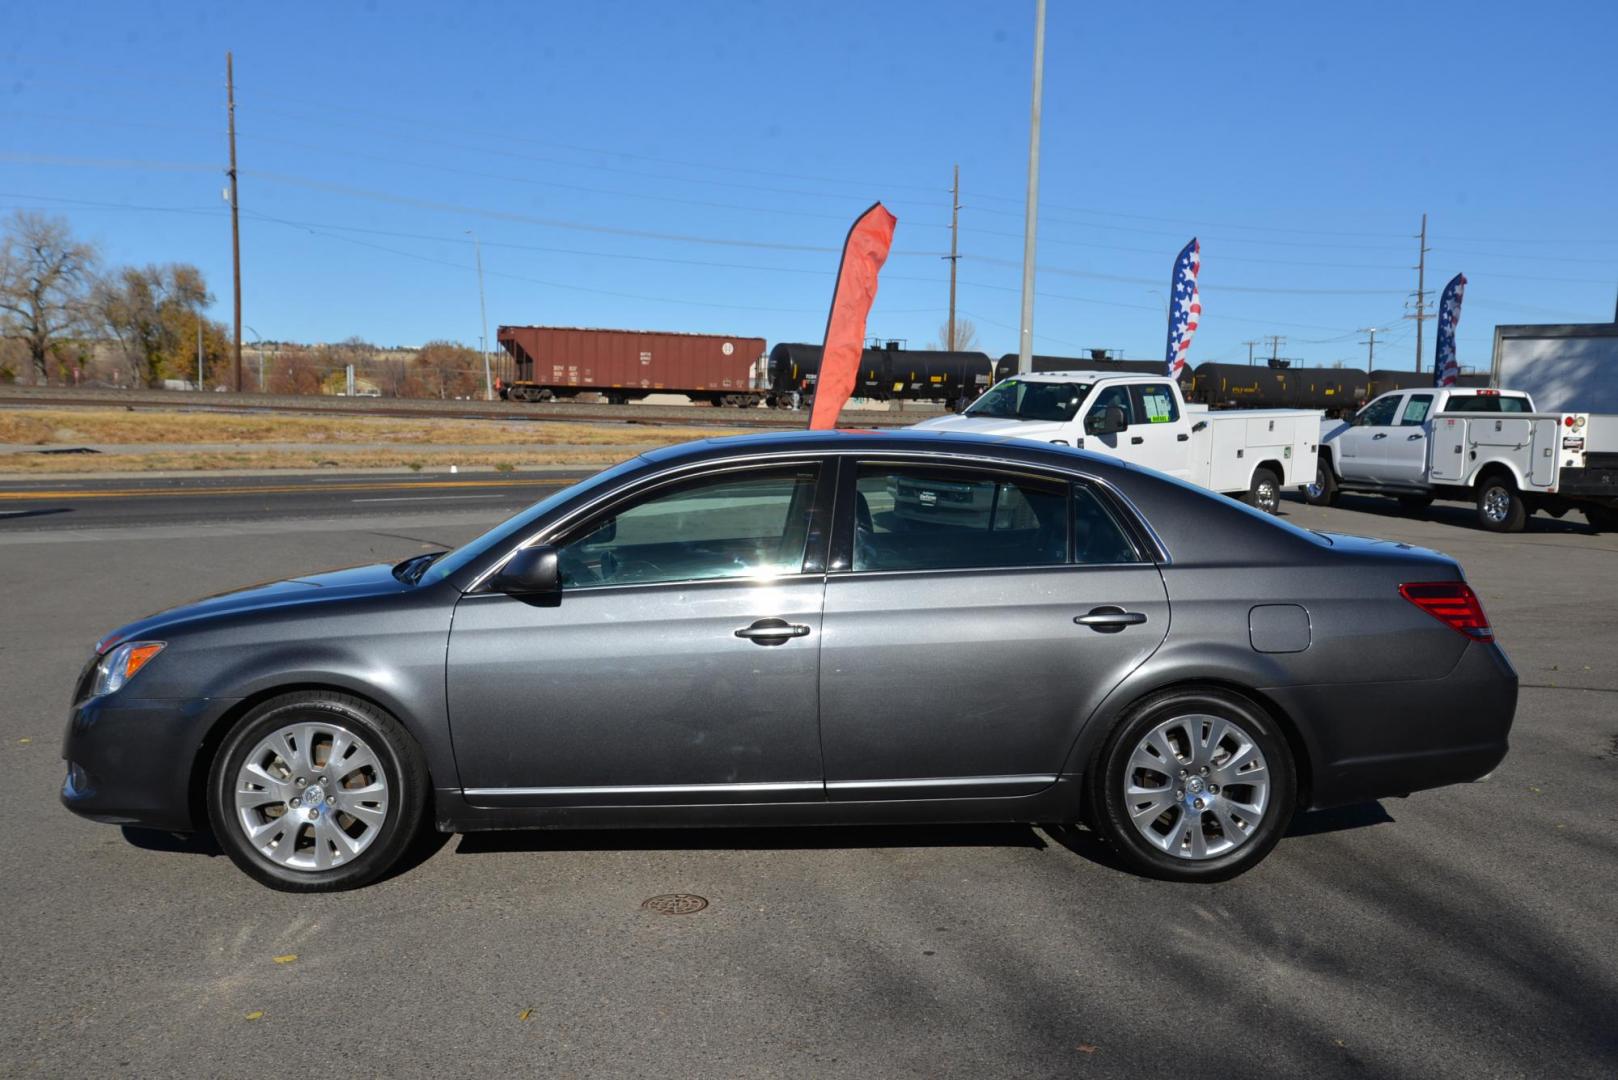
(1323, 492)
(316, 791)
(1193, 785)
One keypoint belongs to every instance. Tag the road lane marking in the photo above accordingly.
(425, 498)
(141, 493)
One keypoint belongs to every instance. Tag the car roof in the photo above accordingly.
(910, 440)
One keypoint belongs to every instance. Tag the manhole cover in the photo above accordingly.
(678, 903)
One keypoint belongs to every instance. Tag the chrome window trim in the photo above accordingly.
(825, 454)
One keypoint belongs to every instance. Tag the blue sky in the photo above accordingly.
(694, 166)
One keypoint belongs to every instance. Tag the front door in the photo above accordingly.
(1360, 449)
(680, 665)
(954, 663)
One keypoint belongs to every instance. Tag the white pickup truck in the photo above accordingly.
(1487, 446)
(1249, 453)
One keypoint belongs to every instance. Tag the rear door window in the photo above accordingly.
(1415, 410)
(1154, 404)
(916, 517)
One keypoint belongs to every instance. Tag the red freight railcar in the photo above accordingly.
(552, 362)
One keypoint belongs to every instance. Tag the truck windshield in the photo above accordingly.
(1016, 399)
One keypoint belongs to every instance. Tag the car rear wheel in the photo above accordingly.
(316, 791)
(1323, 492)
(1264, 493)
(1500, 507)
(1193, 785)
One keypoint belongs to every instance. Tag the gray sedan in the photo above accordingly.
(808, 628)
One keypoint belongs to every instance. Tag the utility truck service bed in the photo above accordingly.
(1488, 446)
(1142, 419)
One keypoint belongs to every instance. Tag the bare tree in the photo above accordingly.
(45, 281)
(966, 337)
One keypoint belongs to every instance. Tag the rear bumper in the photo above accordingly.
(1595, 482)
(129, 762)
(1373, 740)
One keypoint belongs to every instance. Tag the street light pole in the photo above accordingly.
(1025, 343)
(483, 311)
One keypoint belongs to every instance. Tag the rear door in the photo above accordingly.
(952, 661)
(1158, 434)
(1405, 450)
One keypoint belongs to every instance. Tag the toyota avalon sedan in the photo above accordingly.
(825, 627)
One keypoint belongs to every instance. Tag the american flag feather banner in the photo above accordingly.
(1185, 307)
(1447, 367)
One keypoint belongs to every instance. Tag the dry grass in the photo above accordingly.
(77, 427)
(336, 460)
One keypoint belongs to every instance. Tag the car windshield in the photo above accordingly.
(1021, 399)
(514, 528)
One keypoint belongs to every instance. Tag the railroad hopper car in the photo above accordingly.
(552, 362)
(955, 378)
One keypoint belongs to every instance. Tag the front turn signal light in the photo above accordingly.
(122, 664)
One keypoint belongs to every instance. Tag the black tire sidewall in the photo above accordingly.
(1110, 816)
(402, 766)
(1516, 516)
(1328, 486)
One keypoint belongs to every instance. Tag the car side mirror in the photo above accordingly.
(1110, 421)
(533, 573)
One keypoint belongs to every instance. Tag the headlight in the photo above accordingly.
(121, 664)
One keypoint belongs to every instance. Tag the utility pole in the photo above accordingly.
(483, 342)
(235, 224)
(1025, 342)
(1275, 341)
(1249, 345)
(954, 252)
(1420, 314)
(1370, 333)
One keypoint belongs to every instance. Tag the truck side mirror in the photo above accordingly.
(1109, 421)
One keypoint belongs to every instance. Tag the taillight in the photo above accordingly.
(1452, 603)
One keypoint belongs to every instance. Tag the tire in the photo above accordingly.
(383, 752)
(1414, 504)
(1602, 518)
(1500, 507)
(1187, 844)
(1323, 492)
(1264, 491)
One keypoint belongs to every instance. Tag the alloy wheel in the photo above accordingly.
(311, 796)
(1197, 786)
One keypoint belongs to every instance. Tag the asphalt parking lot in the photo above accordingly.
(1467, 931)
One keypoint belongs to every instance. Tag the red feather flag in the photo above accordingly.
(863, 255)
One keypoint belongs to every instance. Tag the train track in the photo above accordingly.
(415, 408)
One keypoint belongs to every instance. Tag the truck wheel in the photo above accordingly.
(1602, 518)
(1323, 492)
(1414, 504)
(1265, 491)
(1500, 508)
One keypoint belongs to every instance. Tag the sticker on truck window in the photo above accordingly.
(1159, 407)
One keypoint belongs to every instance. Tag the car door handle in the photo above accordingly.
(1181, 437)
(772, 632)
(1380, 435)
(1413, 438)
(1137, 439)
(1109, 619)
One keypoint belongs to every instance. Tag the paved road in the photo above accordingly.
(1466, 932)
(67, 503)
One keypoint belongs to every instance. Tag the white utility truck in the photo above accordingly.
(1249, 453)
(1487, 446)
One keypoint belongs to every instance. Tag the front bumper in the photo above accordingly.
(130, 761)
(1374, 740)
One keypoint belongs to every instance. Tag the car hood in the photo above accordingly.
(352, 583)
(1040, 430)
